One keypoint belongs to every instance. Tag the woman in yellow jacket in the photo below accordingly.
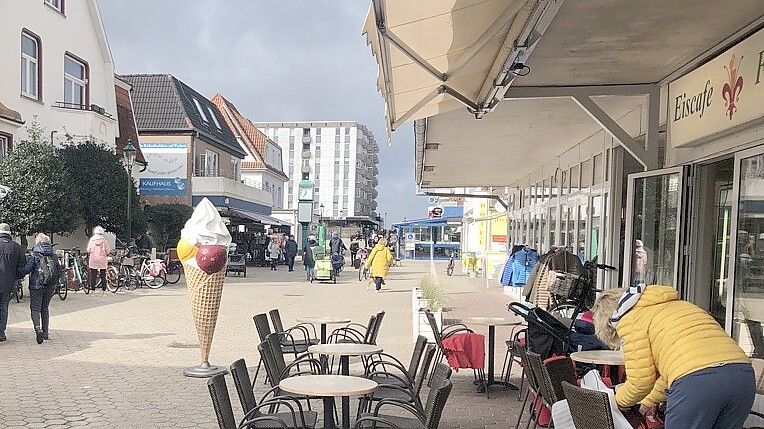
(676, 353)
(379, 262)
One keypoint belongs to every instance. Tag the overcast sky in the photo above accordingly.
(281, 60)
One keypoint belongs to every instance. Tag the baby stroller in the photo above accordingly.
(546, 335)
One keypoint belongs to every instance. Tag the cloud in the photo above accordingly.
(284, 60)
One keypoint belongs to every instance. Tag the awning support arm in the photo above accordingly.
(524, 92)
(483, 196)
(653, 123)
(611, 127)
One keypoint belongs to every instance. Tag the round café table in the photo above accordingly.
(327, 387)
(344, 351)
(492, 323)
(323, 321)
(610, 358)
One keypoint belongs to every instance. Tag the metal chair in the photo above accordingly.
(407, 394)
(278, 326)
(546, 395)
(532, 389)
(286, 340)
(244, 389)
(354, 333)
(515, 347)
(558, 370)
(254, 419)
(405, 376)
(440, 335)
(589, 408)
(428, 419)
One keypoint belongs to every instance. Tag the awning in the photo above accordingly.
(257, 217)
(438, 55)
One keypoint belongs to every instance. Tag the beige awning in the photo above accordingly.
(439, 55)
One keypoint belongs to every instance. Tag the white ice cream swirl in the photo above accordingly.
(206, 226)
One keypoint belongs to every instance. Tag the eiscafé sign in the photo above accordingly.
(725, 92)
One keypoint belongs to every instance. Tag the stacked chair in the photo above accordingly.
(589, 408)
(288, 342)
(547, 381)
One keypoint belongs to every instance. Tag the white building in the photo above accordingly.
(58, 70)
(342, 165)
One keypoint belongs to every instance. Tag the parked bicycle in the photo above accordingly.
(582, 295)
(173, 270)
(451, 263)
(136, 269)
(75, 277)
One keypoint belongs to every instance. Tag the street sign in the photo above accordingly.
(4, 191)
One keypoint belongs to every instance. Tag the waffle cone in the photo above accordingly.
(205, 291)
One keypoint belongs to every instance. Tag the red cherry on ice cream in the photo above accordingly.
(211, 258)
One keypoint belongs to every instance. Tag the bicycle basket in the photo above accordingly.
(564, 284)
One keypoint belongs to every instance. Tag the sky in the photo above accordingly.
(287, 60)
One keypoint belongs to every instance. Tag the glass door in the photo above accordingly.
(654, 223)
(745, 301)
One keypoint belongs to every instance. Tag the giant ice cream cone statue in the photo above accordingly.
(203, 250)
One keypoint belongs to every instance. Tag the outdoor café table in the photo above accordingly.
(324, 321)
(327, 387)
(611, 358)
(492, 323)
(344, 351)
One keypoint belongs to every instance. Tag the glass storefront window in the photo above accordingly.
(575, 178)
(542, 232)
(565, 182)
(552, 226)
(748, 302)
(586, 173)
(596, 229)
(581, 242)
(599, 167)
(545, 191)
(563, 225)
(571, 236)
(554, 184)
(524, 230)
(654, 228)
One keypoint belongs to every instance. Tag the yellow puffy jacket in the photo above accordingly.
(379, 260)
(665, 338)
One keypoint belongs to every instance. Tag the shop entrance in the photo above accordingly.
(710, 242)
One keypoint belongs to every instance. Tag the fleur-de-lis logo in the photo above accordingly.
(731, 90)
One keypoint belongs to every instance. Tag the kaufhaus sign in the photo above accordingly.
(724, 93)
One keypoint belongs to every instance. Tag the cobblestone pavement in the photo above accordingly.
(116, 360)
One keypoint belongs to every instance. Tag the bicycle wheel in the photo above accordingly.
(154, 282)
(360, 273)
(129, 281)
(173, 273)
(450, 270)
(112, 279)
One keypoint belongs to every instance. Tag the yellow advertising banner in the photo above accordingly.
(726, 92)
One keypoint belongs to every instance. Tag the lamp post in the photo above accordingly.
(342, 215)
(129, 154)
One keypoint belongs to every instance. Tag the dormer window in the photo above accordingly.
(214, 118)
(56, 4)
(199, 109)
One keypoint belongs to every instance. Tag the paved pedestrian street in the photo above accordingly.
(116, 360)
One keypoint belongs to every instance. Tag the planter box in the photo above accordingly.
(421, 326)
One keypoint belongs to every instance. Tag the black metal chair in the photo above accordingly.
(286, 340)
(245, 391)
(428, 419)
(255, 418)
(404, 376)
(549, 394)
(589, 408)
(278, 326)
(354, 333)
(515, 347)
(441, 334)
(532, 391)
(409, 394)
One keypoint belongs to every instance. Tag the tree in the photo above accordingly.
(42, 197)
(165, 222)
(101, 186)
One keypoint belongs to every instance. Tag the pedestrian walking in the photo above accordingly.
(11, 262)
(290, 249)
(98, 259)
(308, 259)
(44, 271)
(273, 253)
(355, 245)
(379, 262)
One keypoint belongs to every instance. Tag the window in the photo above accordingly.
(75, 81)
(30, 65)
(214, 118)
(56, 4)
(235, 169)
(199, 109)
(5, 146)
(210, 164)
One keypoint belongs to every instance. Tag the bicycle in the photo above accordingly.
(74, 277)
(173, 271)
(584, 294)
(450, 268)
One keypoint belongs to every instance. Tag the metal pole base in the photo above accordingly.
(205, 370)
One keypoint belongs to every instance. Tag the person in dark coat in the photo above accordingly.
(290, 248)
(308, 259)
(11, 262)
(41, 292)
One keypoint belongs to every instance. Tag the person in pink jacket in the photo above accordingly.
(98, 254)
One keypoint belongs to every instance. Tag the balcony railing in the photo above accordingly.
(91, 108)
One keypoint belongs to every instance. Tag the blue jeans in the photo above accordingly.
(719, 397)
(5, 299)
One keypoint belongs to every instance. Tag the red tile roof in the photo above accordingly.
(126, 122)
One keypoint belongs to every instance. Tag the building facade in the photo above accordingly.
(57, 71)
(342, 163)
(262, 168)
(191, 152)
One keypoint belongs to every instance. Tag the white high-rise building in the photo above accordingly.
(342, 165)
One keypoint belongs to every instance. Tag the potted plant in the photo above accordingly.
(428, 295)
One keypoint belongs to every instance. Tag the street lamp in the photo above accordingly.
(129, 153)
(342, 215)
(321, 214)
